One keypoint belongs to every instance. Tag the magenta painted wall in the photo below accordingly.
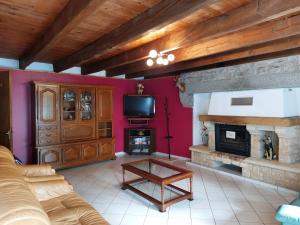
(180, 118)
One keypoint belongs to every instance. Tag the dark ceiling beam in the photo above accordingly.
(277, 48)
(155, 18)
(68, 18)
(273, 30)
(254, 13)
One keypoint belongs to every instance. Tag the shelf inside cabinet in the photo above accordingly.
(104, 129)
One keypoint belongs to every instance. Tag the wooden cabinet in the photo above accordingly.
(47, 114)
(106, 149)
(73, 124)
(77, 113)
(139, 141)
(50, 155)
(104, 113)
(90, 152)
(104, 107)
(71, 155)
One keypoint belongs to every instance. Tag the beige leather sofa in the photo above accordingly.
(35, 195)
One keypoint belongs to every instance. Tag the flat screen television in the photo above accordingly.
(139, 106)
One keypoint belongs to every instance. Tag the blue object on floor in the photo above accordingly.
(289, 214)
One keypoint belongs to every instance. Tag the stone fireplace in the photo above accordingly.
(237, 122)
(284, 172)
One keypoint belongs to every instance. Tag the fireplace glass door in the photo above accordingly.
(234, 139)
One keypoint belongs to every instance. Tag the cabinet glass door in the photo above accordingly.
(69, 105)
(86, 104)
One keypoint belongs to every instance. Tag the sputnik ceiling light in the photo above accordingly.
(159, 58)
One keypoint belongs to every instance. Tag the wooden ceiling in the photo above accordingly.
(116, 35)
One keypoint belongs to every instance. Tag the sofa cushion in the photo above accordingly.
(18, 204)
(50, 189)
(6, 153)
(71, 209)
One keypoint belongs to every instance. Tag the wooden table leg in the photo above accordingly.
(191, 188)
(150, 167)
(123, 184)
(162, 198)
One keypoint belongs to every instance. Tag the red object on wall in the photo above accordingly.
(180, 119)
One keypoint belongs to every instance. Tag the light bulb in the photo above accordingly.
(165, 62)
(171, 57)
(150, 62)
(159, 60)
(153, 53)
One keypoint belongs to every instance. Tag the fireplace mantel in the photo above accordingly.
(243, 120)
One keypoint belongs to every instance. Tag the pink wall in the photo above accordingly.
(180, 118)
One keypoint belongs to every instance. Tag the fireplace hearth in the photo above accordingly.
(233, 139)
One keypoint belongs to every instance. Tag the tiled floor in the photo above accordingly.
(219, 198)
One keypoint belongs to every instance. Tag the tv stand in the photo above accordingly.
(133, 120)
(139, 140)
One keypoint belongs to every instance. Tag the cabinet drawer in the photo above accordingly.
(78, 132)
(48, 135)
(48, 138)
(48, 128)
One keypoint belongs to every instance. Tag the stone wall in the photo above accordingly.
(275, 73)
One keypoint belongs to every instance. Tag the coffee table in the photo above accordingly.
(159, 173)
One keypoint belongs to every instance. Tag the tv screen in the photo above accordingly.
(139, 106)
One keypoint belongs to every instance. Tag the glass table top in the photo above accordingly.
(152, 167)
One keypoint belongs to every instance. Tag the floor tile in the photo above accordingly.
(219, 198)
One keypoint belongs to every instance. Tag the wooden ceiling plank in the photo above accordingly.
(69, 17)
(269, 31)
(256, 12)
(155, 18)
(282, 47)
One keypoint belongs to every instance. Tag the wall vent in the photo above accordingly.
(242, 101)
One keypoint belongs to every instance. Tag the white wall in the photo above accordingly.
(283, 102)
(201, 103)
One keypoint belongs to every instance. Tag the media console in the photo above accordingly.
(139, 140)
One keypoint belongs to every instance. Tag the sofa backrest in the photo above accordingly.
(18, 204)
(5, 153)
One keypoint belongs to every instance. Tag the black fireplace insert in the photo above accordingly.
(234, 139)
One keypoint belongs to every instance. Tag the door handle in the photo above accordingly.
(8, 133)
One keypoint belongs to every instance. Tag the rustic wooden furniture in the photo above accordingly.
(139, 140)
(162, 174)
(73, 124)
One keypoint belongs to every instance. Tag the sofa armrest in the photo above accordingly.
(289, 214)
(36, 170)
(44, 178)
(50, 189)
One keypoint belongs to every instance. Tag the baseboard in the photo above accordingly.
(118, 154)
(173, 156)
